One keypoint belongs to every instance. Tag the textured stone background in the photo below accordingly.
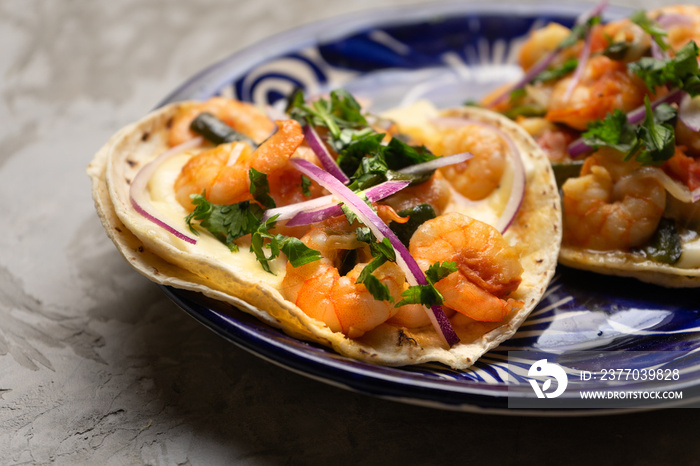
(98, 366)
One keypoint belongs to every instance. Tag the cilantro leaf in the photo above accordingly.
(650, 142)
(428, 295)
(226, 222)
(350, 159)
(296, 251)
(557, 72)
(305, 185)
(340, 113)
(257, 243)
(658, 139)
(229, 222)
(680, 71)
(382, 252)
(613, 131)
(438, 271)
(377, 289)
(260, 188)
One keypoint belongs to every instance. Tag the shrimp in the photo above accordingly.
(605, 85)
(241, 116)
(540, 43)
(489, 268)
(611, 206)
(632, 40)
(685, 24)
(435, 191)
(477, 177)
(319, 290)
(223, 171)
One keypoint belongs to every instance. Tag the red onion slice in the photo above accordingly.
(319, 148)
(582, 60)
(517, 190)
(414, 275)
(316, 210)
(137, 191)
(322, 203)
(436, 163)
(373, 194)
(667, 20)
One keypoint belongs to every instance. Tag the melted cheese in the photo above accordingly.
(160, 188)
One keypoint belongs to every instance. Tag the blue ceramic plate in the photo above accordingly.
(450, 54)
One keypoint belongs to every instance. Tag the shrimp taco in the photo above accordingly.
(616, 108)
(366, 241)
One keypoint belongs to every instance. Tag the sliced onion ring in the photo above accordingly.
(373, 194)
(517, 190)
(137, 191)
(582, 60)
(321, 208)
(414, 275)
(436, 163)
(674, 188)
(319, 148)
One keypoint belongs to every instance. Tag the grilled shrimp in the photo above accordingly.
(241, 116)
(322, 293)
(477, 177)
(540, 43)
(611, 205)
(223, 171)
(489, 268)
(605, 85)
(681, 22)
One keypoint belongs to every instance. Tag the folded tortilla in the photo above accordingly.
(210, 268)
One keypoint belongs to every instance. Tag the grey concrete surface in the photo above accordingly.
(97, 366)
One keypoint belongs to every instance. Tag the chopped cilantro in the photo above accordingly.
(260, 188)
(652, 142)
(229, 222)
(339, 114)
(680, 71)
(657, 137)
(557, 72)
(305, 185)
(382, 251)
(428, 295)
(296, 251)
(226, 222)
(361, 154)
